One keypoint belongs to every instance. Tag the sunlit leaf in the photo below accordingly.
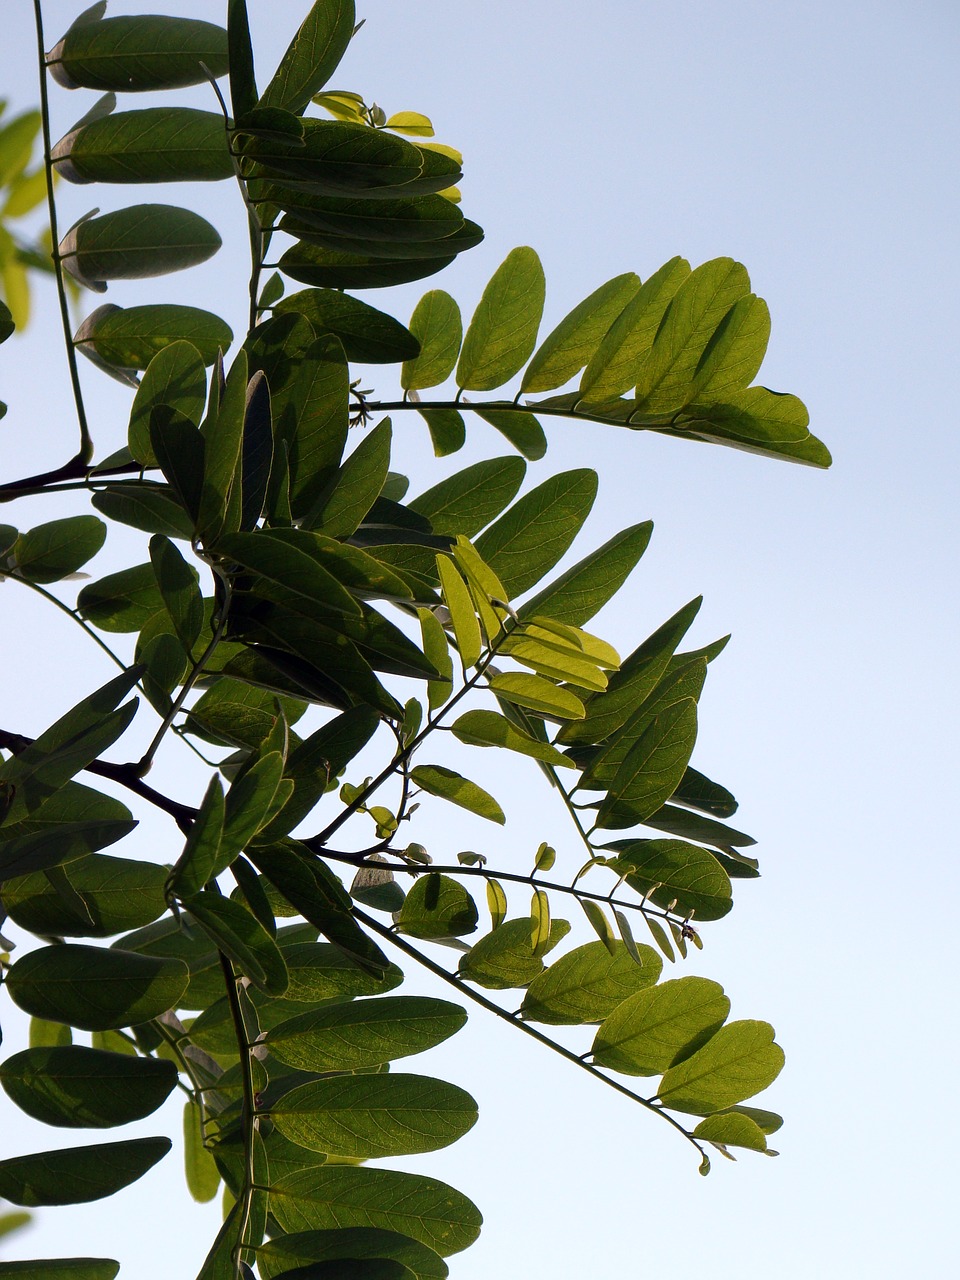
(588, 983)
(487, 729)
(503, 331)
(312, 56)
(175, 376)
(740, 1060)
(49, 552)
(565, 351)
(653, 1029)
(130, 337)
(437, 326)
(441, 781)
(367, 335)
(437, 907)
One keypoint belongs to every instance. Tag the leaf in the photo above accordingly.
(600, 924)
(175, 377)
(503, 331)
(203, 1177)
(669, 870)
(437, 326)
(131, 337)
(371, 1116)
(124, 601)
(248, 805)
(690, 826)
(759, 421)
(505, 958)
(612, 368)
(60, 1268)
(243, 85)
(467, 501)
(151, 508)
(180, 589)
(660, 937)
(656, 762)
(735, 351)
(460, 606)
(487, 729)
(667, 376)
(731, 1129)
(108, 894)
(540, 922)
(319, 971)
(437, 907)
(565, 351)
(650, 1031)
(536, 531)
(740, 1060)
(588, 983)
(496, 903)
(157, 144)
(339, 1196)
(522, 430)
(135, 54)
(312, 56)
(239, 935)
(77, 1175)
(448, 432)
(585, 588)
(283, 559)
(93, 988)
(326, 268)
(364, 1033)
(357, 485)
(443, 782)
(366, 334)
(536, 694)
(137, 243)
(289, 1252)
(52, 551)
(79, 1088)
(179, 449)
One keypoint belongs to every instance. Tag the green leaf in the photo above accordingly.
(443, 782)
(540, 921)
(364, 1033)
(283, 558)
(667, 376)
(77, 1175)
(130, 337)
(240, 936)
(655, 764)
(124, 601)
(312, 56)
(488, 729)
(243, 85)
(338, 1196)
(357, 485)
(448, 433)
(248, 805)
(52, 551)
(612, 368)
(366, 334)
(175, 377)
(137, 243)
(112, 894)
(588, 983)
(740, 1060)
(505, 958)
(289, 1252)
(536, 694)
(565, 351)
(60, 1268)
(732, 358)
(698, 792)
(732, 1129)
(79, 1088)
(759, 421)
(467, 501)
(522, 430)
(554, 661)
(367, 1117)
(17, 137)
(669, 870)
(650, 1031)
(45, 1034)
(141, 505)
(180, 589)
(536, 531)
(437, 326)
(136, 54)
(158, 144)
(437, 907)
(325, 268)
(585, 588)
(690, 826)
(503, 331)
(203, 1177)
(93, 988)
(179, 449)
(436, 648)
(460, 606)
(319, 971)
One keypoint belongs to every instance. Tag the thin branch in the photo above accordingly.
(248, 1107)
(70, 613)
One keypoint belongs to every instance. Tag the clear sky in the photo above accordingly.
(816, 142)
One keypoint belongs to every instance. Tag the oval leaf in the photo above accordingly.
(364, 1033)
(79, 1088)
(77, 1175)
(650, 1031)
(503, 331)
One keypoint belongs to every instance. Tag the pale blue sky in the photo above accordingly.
(818, 143)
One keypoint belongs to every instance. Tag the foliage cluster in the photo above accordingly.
(289, 594)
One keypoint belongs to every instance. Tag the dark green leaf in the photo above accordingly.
(650, 1031)
(366, 334)
(319, 971)
(656, 762)
(443, 782)
(179, 449)
(243, 85)
(585, 588)
(158, 144)
(467, 501)
(522, 430)
(528, 540)
(283, 559)
(588, 983)
(79, 1088)
(130, 337)
(60, 1268)
(312, 57)
(690, 826)
(357, 485)
(503, 331)
(241, 937)
(740, 1060)
(113, 894)
(175, 377)
(400, 227)
(505, 958)
(332, 1246)
(364, 1033)
(437, 907)
(140, 53)
(180, 589)
(371, 1116)
(145, 506)
(448, 432)
(698, 792)
(325, 268)
(732, 358)
(136, 243)
(565, 351)
(437, 326)
(93, 988)
(52, 551)
(77, 1175)
(672, 870)
(759, 421)
(200, 855)
(123, 601)
(419, 1207)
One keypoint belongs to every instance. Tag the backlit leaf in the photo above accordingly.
(137, 243)
(366, 334)
(740, 1060)
(157, 144)
(130, 337)
(175, 376)
(135, 54)
(364, 1033)
(440, 781)
(437, 326)
(588, 983)
(80, 1088)
(437, 907)
(503, 331)
(565, 351)
(312, 56)
(487, 729)
(49, 552)
(353, 1244)
(76, 1175)
(650, 1031)
(585, 588)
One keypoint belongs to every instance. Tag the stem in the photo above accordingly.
(71, 613)
(248, 1109)
(85, 451)
(452, 980)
